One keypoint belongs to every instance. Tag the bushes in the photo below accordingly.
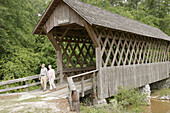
(126, 98)
(125, 101)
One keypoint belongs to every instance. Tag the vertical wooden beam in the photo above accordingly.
(60, 65)
(99, 76)
(75, 101)
(7, 86)
(93, 36)
(94, 88)
(82, 86)
(168, 52)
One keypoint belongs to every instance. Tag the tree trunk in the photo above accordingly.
(136, 5)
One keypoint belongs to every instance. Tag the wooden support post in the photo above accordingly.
(99, 76)
(58, 51)
(60, 65)
(82, 86)
(168, 52)
(7, 86)
(27, 88)
(75, 101)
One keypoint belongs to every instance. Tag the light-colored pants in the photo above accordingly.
(52, 84)
(44, 82)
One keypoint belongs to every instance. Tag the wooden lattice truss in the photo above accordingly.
(122, 48)
(77, 52)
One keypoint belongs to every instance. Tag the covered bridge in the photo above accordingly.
(124, 52)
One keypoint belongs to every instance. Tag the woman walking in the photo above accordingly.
(51, 76)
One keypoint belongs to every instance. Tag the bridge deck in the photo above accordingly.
(38, 100)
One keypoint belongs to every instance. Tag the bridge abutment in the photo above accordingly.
(162, 84)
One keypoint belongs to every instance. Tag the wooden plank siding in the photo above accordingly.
(63, 15)
(132, 76)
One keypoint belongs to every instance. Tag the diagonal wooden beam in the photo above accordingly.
(52, 39)
(64, 33)
(91, 33)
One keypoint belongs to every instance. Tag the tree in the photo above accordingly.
(19, 55)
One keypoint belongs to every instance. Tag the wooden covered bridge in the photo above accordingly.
(111, 49)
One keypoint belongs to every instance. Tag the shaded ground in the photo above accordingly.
(35, 102)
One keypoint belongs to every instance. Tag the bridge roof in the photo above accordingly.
(97, 16)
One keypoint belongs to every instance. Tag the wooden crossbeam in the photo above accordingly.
(64, 33)
(121, 54)
(141, 50)
(117, 49)
(144, 54)
(109, 53)
(126, 56)
(133, 47)
(148, 51)
(52, 40)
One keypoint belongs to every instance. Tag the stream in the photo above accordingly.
(158, 106)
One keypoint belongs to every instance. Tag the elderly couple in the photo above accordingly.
(47, 75)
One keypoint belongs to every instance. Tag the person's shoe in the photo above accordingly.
(51, 90)
(44, 90)
(54, 89)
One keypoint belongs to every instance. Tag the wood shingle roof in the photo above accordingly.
(97, 16)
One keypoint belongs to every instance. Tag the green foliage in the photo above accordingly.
(108, 108)
(22, 53)
(126, 101)
(164, 92)
(126, 97)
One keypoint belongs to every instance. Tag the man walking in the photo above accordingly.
(43, 76)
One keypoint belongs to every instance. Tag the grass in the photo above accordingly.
(161, 92)
(103, 109)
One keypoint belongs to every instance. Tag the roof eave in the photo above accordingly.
(39, 22)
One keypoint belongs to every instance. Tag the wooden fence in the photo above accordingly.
(74, 92)
(25, 79)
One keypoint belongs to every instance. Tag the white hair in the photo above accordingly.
(43, 64)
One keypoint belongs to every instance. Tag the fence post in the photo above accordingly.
(94, 87)
(27, 88)
(7, 86)
(82, 86)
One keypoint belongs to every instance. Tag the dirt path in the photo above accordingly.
(35, 102)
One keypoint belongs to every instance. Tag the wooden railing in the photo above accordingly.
(25, 79)
(73, 91)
